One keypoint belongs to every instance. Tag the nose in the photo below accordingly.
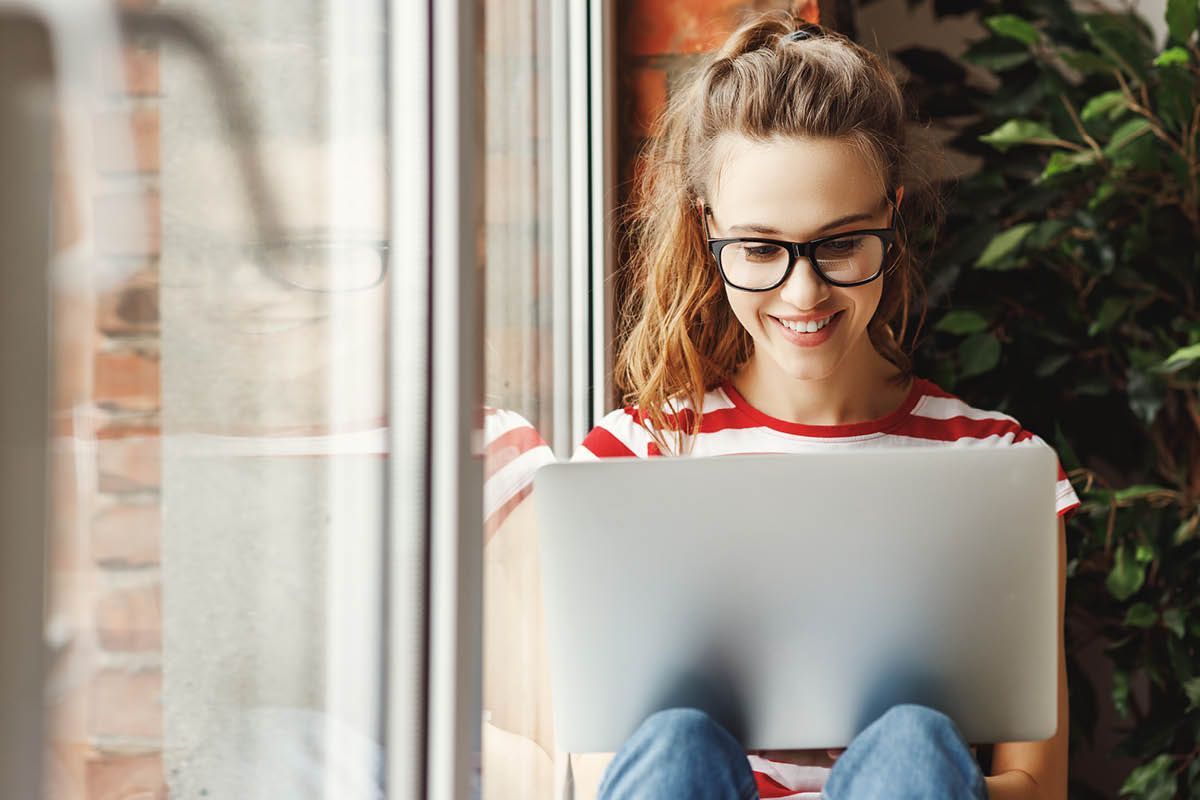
(804, 288)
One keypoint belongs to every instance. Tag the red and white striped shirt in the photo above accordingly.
(928, 417)
(512, 452)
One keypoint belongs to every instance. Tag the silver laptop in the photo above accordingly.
(811, 590)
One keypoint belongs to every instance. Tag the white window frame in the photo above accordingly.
(583, 183)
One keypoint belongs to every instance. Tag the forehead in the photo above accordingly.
(792, 184)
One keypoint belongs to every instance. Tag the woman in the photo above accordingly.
(773, 279)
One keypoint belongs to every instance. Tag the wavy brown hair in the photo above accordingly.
(678, 337)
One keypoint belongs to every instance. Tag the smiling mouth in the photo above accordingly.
(807, 327)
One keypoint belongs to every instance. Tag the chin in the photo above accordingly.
(807, 369)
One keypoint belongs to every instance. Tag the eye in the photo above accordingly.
(760, 252)
(841, 247)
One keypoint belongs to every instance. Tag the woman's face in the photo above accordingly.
(797, 190)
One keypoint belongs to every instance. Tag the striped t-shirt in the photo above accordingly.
(929, 417)
(512, 452)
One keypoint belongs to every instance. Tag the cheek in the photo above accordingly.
(745, 307)
(871, 300)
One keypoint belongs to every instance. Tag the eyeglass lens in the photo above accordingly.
(846, 259)
(328, 265)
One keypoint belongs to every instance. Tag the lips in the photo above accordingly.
(806, 339)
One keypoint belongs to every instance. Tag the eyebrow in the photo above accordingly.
(768, 230)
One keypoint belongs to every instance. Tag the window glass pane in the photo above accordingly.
(218, 552)
(519, 391)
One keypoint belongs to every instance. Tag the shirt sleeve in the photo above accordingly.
(1065, 499)
(617, 435)
(512, 452)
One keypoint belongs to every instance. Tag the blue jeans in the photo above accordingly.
(910, 752)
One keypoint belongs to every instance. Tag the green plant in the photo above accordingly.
(1071, 260)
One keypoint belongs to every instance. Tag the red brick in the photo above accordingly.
(127, 535)
(129, 223)
(130, 618)
(130, 308)
(128, 379)
(126, 703)
(127, 141)
(649, 88)
(130, 463)
(136, 73)
(697, 26)
(119, 777)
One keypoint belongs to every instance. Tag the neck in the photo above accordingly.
(859, 390)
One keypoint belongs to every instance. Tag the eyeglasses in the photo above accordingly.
(315, 261)
(328, 265)
(759, 265)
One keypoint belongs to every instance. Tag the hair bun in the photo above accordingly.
(800, 34)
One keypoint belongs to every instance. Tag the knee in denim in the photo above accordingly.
(682, 725)
(909, 719)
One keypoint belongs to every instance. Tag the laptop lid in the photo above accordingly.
(819, 588)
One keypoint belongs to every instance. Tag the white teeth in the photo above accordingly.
(805, 327)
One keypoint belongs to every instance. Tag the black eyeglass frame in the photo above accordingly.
(796, 250)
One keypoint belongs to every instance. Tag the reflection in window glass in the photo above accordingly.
(216, 585)
(518, 758)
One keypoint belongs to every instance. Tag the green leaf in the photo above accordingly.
(978, 353)
(1192, 690)
(1051, 364)
(1102, 104)
(1146, 775)
(1045, 233)
(961, 322)
(1104, 192)
(1110, 311)
(1013, 27)
(1020, 131)
(1183, 357)
(1066, 453)
(1181, 19)
(1084, 61)
(998, 62)
(1118, 41)
(1173, 620)
(1144, 553)
(1003, 244)
(1171, 57)
(1120, 692)
(1141, 615)
(1065, 162)
(1185, 530)
(1147, 393)
(1126, 134)
(1126, 576)
(1173, 98)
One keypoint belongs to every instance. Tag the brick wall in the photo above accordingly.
(105, 596)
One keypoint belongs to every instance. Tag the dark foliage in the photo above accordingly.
(1064, 290)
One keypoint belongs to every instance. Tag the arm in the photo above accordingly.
(1038, 770)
